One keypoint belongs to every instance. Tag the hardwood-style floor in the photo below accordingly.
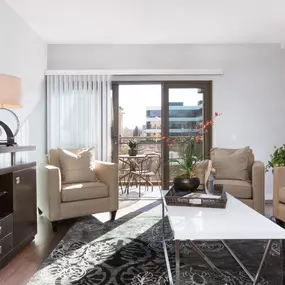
(25, 264)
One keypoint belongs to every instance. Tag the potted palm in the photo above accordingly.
(188, 157)
(132, 144)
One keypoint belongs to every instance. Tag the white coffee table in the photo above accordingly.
(237, 221)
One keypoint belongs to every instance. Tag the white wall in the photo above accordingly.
(24, 54)
(250, 94)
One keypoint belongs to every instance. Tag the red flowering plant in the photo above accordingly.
(189, 147)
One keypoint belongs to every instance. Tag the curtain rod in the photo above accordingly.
(137, 72)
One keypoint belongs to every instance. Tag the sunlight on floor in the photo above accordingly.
(134, 193)
(128, 206)
(132, 203)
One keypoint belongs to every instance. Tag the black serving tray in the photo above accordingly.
(175, 198)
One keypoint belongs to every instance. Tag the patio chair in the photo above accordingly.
(149, 167)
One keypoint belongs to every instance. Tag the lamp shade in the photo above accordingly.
(10, 91)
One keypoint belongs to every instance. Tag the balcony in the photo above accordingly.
(152, 145)
(178, 130)
(177, 119)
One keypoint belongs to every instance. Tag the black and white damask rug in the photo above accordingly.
(129, 251)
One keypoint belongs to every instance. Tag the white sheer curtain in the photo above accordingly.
(79, 113)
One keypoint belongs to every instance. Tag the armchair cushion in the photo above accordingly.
(77, 166)
(83, 191)
(232, 164)
(237, 188)
(282, 194)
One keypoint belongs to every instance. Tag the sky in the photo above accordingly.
(135, 98)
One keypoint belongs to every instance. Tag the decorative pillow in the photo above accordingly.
(77, 166)
(231, 165)
(200, 170)
(228, 151)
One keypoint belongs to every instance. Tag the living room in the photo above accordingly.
(242, 57)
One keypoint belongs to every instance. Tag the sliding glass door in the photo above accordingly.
(137, 116)
(186, 105)
(150, 112)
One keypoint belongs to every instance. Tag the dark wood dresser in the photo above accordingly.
(18, 204)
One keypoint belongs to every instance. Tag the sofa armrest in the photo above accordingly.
(258, 189)
(49, 190)
(108, 173)
(278, 182)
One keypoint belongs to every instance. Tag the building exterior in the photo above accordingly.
(121, 117)
(182, 119)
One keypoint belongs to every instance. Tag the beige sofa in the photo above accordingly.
(250, 187)
(279, 195)
(60, 201)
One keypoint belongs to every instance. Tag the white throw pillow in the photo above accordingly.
(77, 166)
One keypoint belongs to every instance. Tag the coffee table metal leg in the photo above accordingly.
(267, 249)
(167, 263)
(177, 261)
(163, 217)
(238, 261)
(165, 247)
(206, 259)
(282, 254)
(255, 278)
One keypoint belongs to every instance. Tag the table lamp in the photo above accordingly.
(10, 97)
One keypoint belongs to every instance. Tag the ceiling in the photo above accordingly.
(155, 21)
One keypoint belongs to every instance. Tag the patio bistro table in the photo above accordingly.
(134, 163)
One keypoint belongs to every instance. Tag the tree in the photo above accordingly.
(136, 132)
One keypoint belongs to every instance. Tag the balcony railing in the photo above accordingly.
(178, 130)
(150, 145)
(177, 119)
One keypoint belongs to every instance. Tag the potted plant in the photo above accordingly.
(132, 144)
(188, 158)
(277, 158)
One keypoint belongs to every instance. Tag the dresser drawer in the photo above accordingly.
(6, 244)
(6, 226)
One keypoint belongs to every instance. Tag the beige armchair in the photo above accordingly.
(279, 195)
(60, 201)
(243, 182)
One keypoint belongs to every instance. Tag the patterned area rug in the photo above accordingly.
(129, 251)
